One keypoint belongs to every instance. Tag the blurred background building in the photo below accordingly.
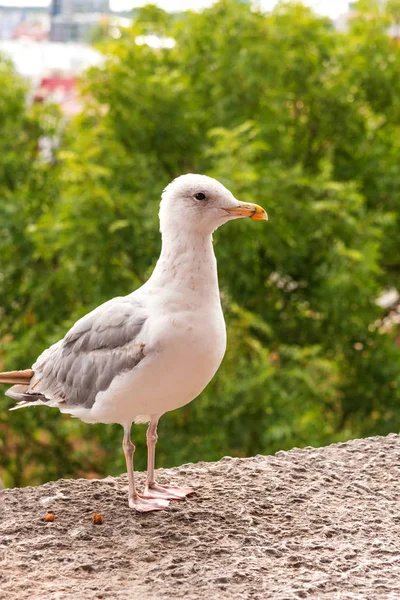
(24, 22)
(50, 46)
(72, 20)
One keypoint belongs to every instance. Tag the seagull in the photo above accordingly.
(136, 357)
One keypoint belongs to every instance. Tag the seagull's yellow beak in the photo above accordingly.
(246, 209)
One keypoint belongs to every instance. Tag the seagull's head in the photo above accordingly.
(201, 204)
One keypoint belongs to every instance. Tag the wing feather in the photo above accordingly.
(100, 346)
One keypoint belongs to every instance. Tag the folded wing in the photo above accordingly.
(103, 344)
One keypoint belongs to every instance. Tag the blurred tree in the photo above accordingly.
(286, 112)
(28, 190)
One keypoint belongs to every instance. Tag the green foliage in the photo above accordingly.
(287, 113)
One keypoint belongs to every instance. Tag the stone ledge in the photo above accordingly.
(311, 523)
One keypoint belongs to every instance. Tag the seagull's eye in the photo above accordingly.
(200, 196)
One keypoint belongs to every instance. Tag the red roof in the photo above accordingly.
(51, 84)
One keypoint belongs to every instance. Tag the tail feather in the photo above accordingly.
(17, 377)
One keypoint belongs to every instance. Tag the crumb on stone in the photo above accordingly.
(97, 518)
(49, 517)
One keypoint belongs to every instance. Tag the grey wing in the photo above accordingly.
(101, 345)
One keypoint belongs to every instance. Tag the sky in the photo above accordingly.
(331, 8)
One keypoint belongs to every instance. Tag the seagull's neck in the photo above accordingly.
(187, 264)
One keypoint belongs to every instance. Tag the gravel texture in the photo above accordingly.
(311, 523)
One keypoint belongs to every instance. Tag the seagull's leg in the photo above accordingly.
(135, 501)
(153, 489)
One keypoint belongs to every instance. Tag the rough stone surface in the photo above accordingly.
(311, 523)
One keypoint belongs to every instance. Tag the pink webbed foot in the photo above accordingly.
(168, 492)
(142, 504)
